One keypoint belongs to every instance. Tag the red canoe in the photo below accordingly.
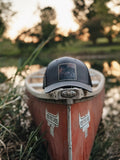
(70, 116)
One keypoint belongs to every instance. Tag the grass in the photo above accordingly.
(69, 48)
(81, 48)
(101, 144)
(9, 61)
(7, 48)
(18, 137)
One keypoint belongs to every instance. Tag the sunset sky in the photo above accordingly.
(27, 16)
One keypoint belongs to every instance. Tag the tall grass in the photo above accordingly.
(19, 139)
(18, 136)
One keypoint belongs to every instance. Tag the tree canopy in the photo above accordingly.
(5, 15)
(48, 15)
(40, 32)
(44, 27)
(96, 17)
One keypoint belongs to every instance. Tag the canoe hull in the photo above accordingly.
(81, 119)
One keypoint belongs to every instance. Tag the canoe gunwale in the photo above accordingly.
(56, 95)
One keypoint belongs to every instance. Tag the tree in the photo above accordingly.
(102, 12)
(97, 17)
(48, 15)
(95, 29)
(5, 15)
(110, 22)
(48, 23)
(79, 11)
(2, 27)
(85, 16)
(28, 40)
(42, 30)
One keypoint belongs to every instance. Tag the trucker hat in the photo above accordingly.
(66, 72)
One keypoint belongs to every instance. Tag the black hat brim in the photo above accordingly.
(66, 84)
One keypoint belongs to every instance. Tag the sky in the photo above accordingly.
(27, 16)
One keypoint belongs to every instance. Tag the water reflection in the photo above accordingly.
(112, 102)
(88, 64)
(108, 69)
(111, 121)
(113, 69)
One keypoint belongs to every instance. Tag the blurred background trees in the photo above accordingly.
(30, 39)
(40, 31)
(97, 17)
(96, 21)
(6, 13)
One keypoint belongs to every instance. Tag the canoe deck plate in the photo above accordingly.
(52, 121)
(84, 123)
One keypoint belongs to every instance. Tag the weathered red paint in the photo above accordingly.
(58, 145)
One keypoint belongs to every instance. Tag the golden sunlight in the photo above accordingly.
(88, 64)
(27, 17)
(114, 8)
(113, 69)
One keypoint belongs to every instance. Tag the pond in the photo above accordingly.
(111, 70)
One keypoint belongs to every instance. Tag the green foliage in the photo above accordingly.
(101, 144)
(107, 18)
(7, 48)
(32, 144)
(5, 15)
(47, 15)
(44, 59)
(8, 61)
(25, 48)
(80, 48)
(67, 47)
(3, 78)
(39, 32)
(30, 60)
(95, 28)
(79, 10)
(100, 8)
(18, 137)
(96, 17)
(47, 28)
(2, 27)
(48, 24)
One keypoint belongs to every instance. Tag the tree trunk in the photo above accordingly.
(94, 42)
(110, 39)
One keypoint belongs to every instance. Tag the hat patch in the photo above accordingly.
(67, 71)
